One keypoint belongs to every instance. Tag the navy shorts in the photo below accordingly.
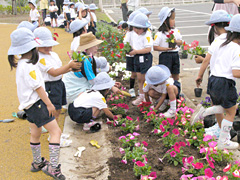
(56, 93)
(130, 63)
(53, 15)
(178, 85)
(38, 114)
(171, 60)
(142, 64)
(80, 114)
(222, 91)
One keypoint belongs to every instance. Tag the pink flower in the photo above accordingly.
(129, 118)
(123, 125)
(137, 144)
(162, 128)
(175, 131)
(140, 164)
(133, 160)
(137, 128)
(225, 151)
(171, 121)
(212, 144)
(177, 123)
(145, 143)
(211, 164)
(144, 177)
(129, 134)
(183, 144)
(236, 173)
(227, 168)
(218, 178)
(166, 134)
(121, 150)
(164, 123)
(132, 137)
(186, 177)
(207, 138)
(188, 143)
(197, 165)
(224, 178)
(136, 134)
(173, 154)
(190, 159)
(194, 137)
(177, 147)
(116, 97)
(153, 175)
(122, 137)
(124, 161)
(156, 131)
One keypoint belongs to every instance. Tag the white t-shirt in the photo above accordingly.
(87, 18)
(75, 43)
(34, 14)
(28, 79)
(66, 9)
(94, 16)
(47, 62)
(160, 88)
(90, 99)
(224, 59)
(141, 41)
(160, 40)
(127, 38)
(73, 13)
(53, 8)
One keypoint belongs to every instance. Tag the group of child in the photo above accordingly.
(42, 92)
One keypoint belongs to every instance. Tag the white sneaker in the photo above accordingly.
(213, 131)
(170, 113)
(65, 142)
(227, 145)
(138, 101)
(132, 92)
(163, 106)
(198, 114)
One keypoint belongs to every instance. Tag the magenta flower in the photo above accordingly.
(129, 118)
(207, 138)
(236, 173)
(156, 131)
(208, 172)
(123, 125)
(166, 134)
(175, 131)
(121, 150)
(212, 144)
(140, 164)
(133, 160)
(164, 123)
(211, 164)
(186, 177)
(171, 121)
(136, 134)
(198, 165)
(162, 128)
(153, 175)
(202, 150)
(145, 143)
(124, 161)
(190, 159)
(122, 137)
(227, 168)
(129, 134)
(183, 144)
(173, 154)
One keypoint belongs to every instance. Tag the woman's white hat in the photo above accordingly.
(132, 15)
(33, 2)
(77, 24)
(102, 64)
(66, 2)
(93, 6)
(164, 13)
(28, 25)
(218, 16)
(234, 25)
(140, 21)
(144, 11)
(103, 81)
(87, 41)
(45, 35)
(157, 74)
(22, 41)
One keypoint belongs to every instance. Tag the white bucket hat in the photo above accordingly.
(22, 41)
(45, 35)
(77, 25)
(102, 64)
(157, 74)
(234, 25)
(77, 4)
(28, 25)
(33, 2)
(144, 11)
(66, 2)
(83, 6)
(132, 15)
(121, 23)
(164, 14)
(140, 21)
(218, 16)
(93, 6)
(103, 81)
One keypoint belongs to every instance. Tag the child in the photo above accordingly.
(34, 14)
(168, 56)
(92, 27)
(102, 64)
(53, 12)
(142, 43)
(88, 105)
(159, 85)
(147, 13)
(218, 20)
(72, 11)
(224, 65)
(66, 12)
(34, 101)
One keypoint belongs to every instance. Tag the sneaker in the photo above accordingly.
(132, 92)
(163, 106)
(138, 101)
(65, 142)
(92, 126)
(198, 114)
(35, 167)
(54, 172)
(227, 145)
(170, 113)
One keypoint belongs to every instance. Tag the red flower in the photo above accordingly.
(171, 32)
(121, 45)
(140, 164)
(145, 143)
(197, 165)
(56, 34)
(54, 38)
(116, 38)
(168, 36)
(118, 55)
(173, 154)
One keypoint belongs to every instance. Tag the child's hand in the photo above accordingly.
(51, 110)
(198, 59)
(168, 49)
(117, 84)
(198, 81)
(75, 64)
(133, 52)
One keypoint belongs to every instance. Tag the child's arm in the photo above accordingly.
(179, 42)
(29, 19)
(91, 18)
(236, 73)
(140, 51)
(147, 97)
(158, 48)
(198, 59)
(162, 98)
(110, 114)
(203, 67)
(64, 69)
(80, 14)
(42, 94)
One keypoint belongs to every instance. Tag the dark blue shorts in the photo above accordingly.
(222, 91)
(171, 60)
(130, 63)
(38, 114)
(53, 15)
(178, 85)
(142, 65)
(56, 93)
(80, 114)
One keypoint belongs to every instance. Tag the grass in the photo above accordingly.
(102, 16)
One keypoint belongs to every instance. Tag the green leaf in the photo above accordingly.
(74, 55)
(175, 163)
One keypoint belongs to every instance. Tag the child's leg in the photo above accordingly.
(35, 143)
(57, 115)
(154, 94)
(175, 77)
(172, 91)
(56, 25)
(51, 22)
(95, 112)
(132, 79)
(141, 80)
